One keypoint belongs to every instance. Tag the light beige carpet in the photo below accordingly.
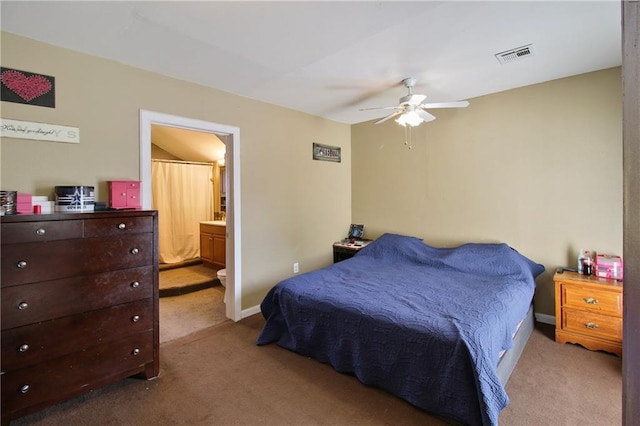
(188, 313)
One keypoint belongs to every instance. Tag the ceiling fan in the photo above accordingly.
(411, 110)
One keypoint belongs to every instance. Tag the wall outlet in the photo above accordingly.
(296, 268)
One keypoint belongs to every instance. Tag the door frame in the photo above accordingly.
(230, 135)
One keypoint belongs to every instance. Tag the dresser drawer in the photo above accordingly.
(592, 324)
(118, 226)
(75, 373)
(30, 344)
(27, 232)
(33, 262)
(48, 300)
(592, 299)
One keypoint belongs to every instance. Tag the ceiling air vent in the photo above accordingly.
(516, 54)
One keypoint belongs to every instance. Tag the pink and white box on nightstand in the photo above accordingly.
(609, 266)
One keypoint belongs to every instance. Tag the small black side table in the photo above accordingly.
(345, 250)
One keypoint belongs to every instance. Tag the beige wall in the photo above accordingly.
(293, 208)
(539, 168)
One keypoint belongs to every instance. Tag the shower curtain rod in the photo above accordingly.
(184, 162)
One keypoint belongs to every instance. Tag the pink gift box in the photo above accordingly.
(23, 198)
(24, 208)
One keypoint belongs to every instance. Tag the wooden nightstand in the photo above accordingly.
(589, 311)
(343, 251)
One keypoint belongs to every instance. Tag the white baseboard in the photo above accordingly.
(251, 311)
(546, 319)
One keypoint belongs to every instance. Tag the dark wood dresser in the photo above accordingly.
(79, 304)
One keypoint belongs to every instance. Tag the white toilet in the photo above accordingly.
(222, 276)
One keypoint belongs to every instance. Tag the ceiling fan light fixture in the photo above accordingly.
(411, 118)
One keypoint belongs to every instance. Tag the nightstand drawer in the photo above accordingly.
(592, 324)
(592, 299)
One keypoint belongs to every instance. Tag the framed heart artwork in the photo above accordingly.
(27, 88)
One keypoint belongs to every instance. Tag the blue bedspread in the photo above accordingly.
(424, 323)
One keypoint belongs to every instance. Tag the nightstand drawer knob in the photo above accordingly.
(135, 318)
(25, 388)
(590, 300)
(135, 352)
(24, 348)
(135, 284)
(591, 325)
(121, 226)
(23, 305)
(135, 251)
(22, 264)
(40, 231)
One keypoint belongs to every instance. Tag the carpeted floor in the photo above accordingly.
(218, 376)
(191, 298)
(187, 313)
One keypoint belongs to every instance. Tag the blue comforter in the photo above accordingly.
(426, 324)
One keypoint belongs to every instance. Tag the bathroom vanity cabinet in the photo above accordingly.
(79, 304)
(213, 240)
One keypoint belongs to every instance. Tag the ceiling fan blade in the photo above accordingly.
(425, 115)
(395, 114)
(390, 107)
(412, 99)
(454, 104)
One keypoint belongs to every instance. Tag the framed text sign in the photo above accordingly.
(326, 152)
(38, 131)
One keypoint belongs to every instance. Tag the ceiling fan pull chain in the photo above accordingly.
(407, 136)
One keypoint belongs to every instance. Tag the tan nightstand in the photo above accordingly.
(589, 311)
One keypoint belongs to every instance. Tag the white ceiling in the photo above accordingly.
(331, 59)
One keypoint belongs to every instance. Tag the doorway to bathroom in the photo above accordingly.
(230, 136)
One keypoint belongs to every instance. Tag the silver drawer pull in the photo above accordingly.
(590, 300)
(22, 264)
(136, 352)
(23, 305)
(40, 231)
(135, 284)
(135, 318)
(121, 226)
(25, 388)
(24, 348)
(135, 251)
(591, 325)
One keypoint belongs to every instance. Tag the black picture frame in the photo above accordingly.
(356, 232)
(327, 153)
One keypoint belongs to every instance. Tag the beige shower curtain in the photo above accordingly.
(182, 192)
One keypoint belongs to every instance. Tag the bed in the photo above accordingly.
(426, 324)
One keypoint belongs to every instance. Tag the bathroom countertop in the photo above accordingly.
(214, 222)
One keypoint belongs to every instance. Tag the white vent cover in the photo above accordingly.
(515, 54)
